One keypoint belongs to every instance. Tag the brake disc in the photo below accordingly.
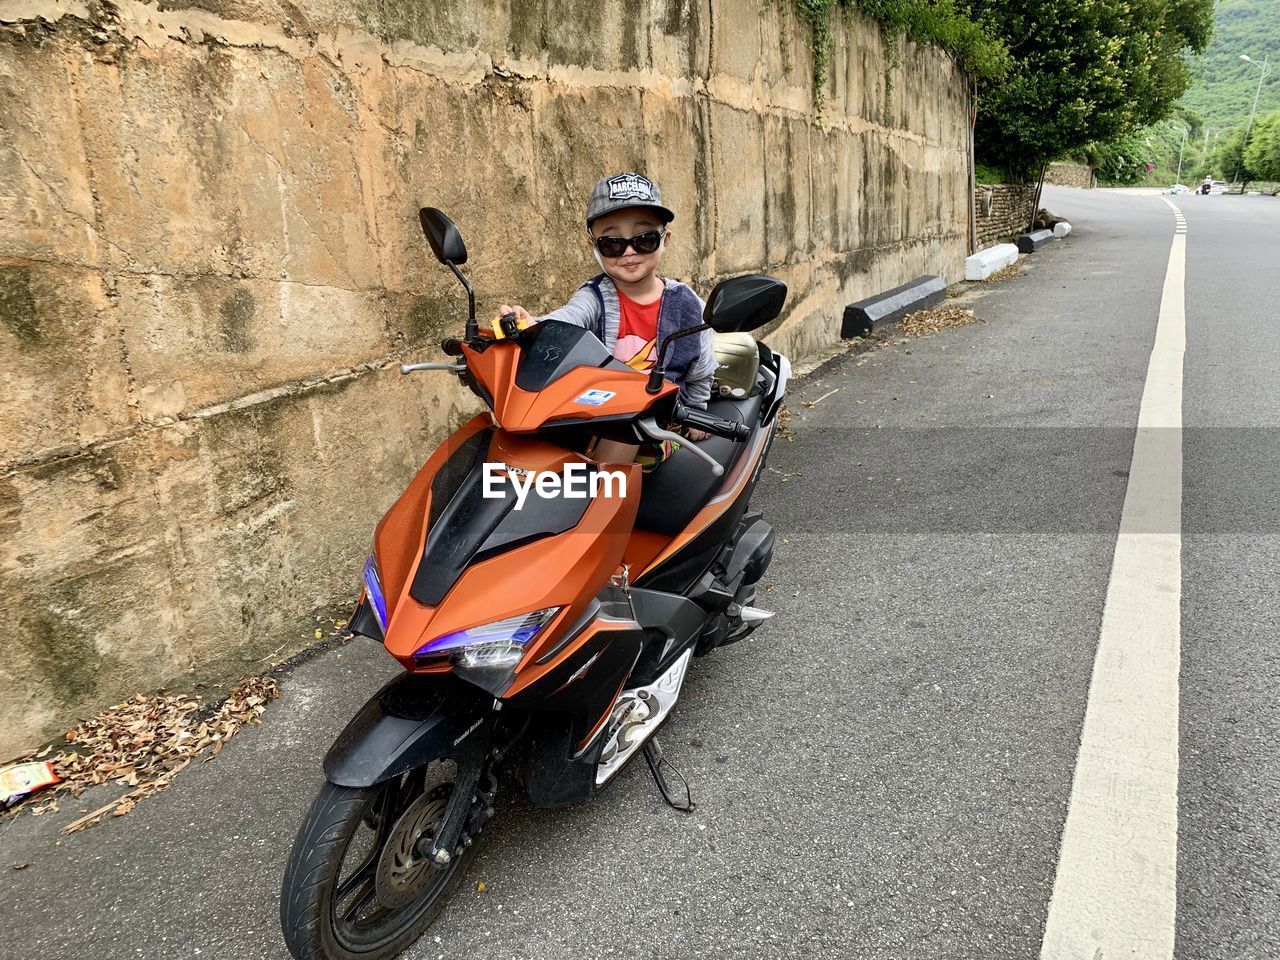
(402, 873)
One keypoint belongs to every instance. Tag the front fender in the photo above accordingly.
(413, 720)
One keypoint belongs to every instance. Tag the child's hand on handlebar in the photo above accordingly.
(695, 435)
(523, 317)
(510, 321)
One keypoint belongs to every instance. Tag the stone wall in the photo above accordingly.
(210, 264)
(1070, 175)
(1003, 211)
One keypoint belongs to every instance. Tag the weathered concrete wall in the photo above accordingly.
(1070, 175)
(209, 263)
(1003, 211)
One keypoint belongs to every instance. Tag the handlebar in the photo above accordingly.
(433, 365)
(650, 429)
(701, 420)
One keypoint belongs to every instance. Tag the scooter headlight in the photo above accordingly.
(373, 587)
(498, 644)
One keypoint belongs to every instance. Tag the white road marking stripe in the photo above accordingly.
(1115, 894)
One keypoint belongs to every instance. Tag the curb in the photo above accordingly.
(1031, 242)
(986, 262)
(891, 306)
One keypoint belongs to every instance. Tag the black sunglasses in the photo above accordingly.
(612, 247)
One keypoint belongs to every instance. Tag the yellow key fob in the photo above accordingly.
(507, 325)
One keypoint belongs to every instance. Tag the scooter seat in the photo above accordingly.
(682, 484)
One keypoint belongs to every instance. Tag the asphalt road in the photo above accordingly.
(1229, 792)
(883, 772)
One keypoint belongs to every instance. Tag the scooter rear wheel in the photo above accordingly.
(356, 886)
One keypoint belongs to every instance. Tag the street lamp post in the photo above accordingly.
(1178, 178)
(1266, 68)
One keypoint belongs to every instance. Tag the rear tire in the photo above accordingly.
(315, 926)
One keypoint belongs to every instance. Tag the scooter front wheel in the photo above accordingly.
(358, 885)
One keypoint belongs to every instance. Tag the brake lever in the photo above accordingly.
(649, 427)
(455, 367)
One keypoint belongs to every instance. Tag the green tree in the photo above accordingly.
(1085, 71)
(1262, 155)
(1121, 161)
(1162, 144)
(1227, 161)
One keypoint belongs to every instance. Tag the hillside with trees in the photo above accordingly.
(1222, 93)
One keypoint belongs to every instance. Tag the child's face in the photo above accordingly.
(631, 267)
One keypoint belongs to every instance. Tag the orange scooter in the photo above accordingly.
(545, 605)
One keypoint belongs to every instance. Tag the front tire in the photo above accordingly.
(354, 887)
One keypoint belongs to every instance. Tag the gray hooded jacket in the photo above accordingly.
(691, 361)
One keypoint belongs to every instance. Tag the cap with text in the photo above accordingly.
(622, 191)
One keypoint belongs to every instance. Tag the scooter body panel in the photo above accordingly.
(554, 567)
(399, 535)
(558, 379)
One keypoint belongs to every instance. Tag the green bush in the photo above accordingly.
(1230, 161)
(985, 173)
(945, 23)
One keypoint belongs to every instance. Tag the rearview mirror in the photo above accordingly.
(745, 303)
(446, 241)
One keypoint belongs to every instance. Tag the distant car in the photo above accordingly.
(1178, 188)
(1218, 188)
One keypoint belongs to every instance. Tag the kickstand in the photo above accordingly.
(653, 754)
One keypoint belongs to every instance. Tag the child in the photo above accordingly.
(629, 307)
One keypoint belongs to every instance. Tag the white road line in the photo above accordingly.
(1115, 893)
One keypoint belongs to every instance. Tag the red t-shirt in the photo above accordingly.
(637, 344)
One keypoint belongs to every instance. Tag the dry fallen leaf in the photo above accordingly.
(144, 742)
(1012, 270)
(924, 322)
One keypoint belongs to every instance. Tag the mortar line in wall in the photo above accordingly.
(846, 123)
(809, 187)
(296, 388)
(648, 34)
(704, 91)
(711, 46)
(144, 274)
(367, 198)
(873, 248)
(105, 281)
